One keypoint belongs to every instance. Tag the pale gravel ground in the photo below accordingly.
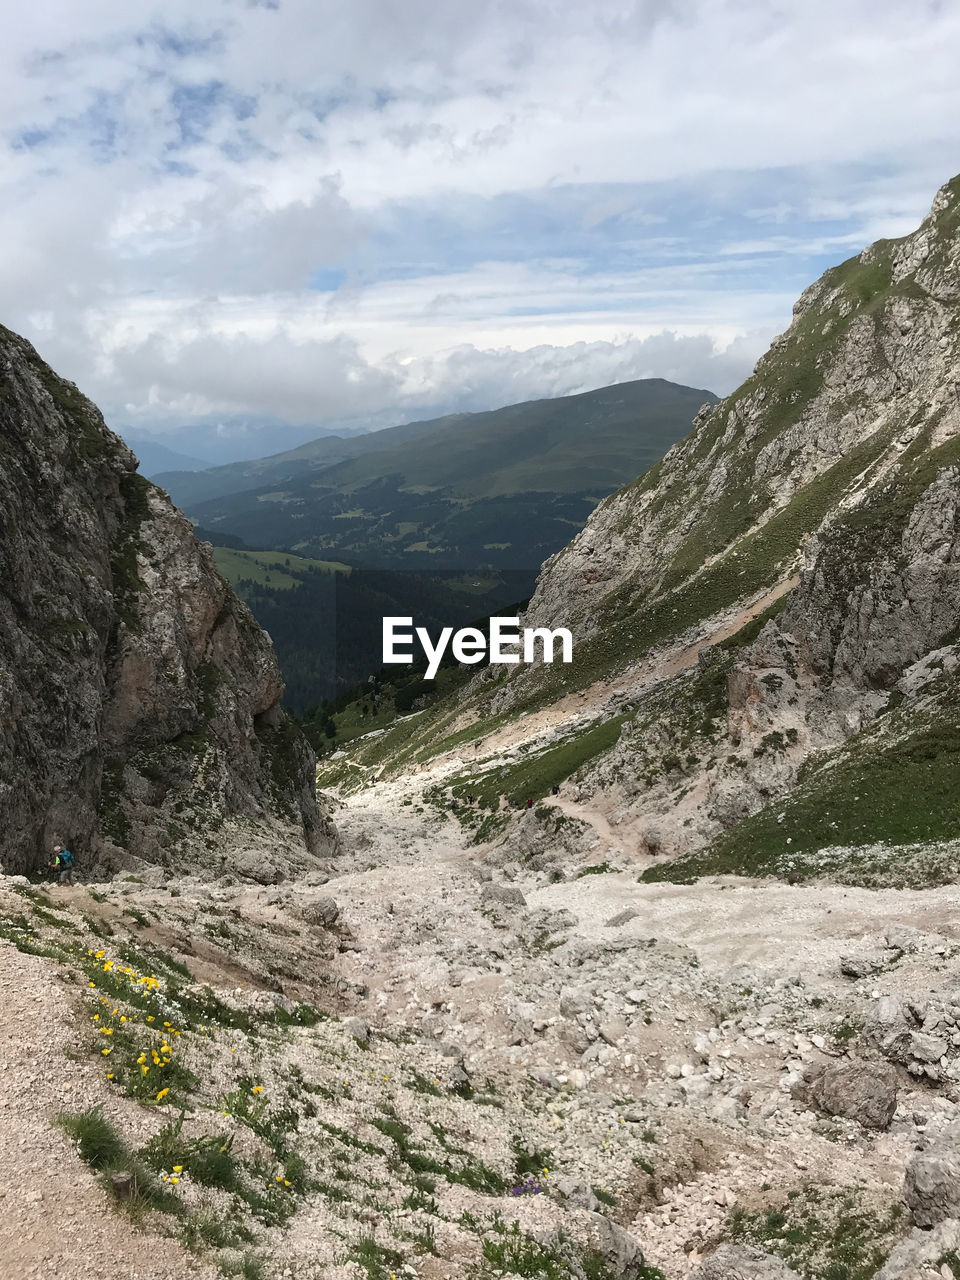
(730, 921)
(55, 1220)
(419, 866)
(727, 920)
(409, 891)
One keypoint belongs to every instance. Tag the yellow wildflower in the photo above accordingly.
(162, 1094)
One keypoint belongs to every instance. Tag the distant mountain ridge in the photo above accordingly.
(391, 447)
(154, 457)
(228, 442)
(502, 489)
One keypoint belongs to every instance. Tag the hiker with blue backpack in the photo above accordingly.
(63, 861)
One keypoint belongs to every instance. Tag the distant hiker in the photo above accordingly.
(63, 861)
(529, 803)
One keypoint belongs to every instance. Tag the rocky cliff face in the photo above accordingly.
(140, 708)
(851, 399)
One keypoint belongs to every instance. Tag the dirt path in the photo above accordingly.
(608, 836)
(55, 1220)
(585, 704)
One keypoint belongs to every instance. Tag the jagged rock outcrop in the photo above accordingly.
(140, 713)
(862, 1091)
(741, 1262)
(867, 368)
(920, 1254)
(932, 1181)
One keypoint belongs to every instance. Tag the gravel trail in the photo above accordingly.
(55, 1220)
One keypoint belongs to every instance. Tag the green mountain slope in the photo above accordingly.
(539, 444)
(572, 444)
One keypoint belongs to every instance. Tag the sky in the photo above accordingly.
(311, 215)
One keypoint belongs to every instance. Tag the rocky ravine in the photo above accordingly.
(422, 1062)
(140, 713)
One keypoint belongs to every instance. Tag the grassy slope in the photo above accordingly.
(532, 778)
(503, 489)
(281, 570)
(895, 783)
(540, 445)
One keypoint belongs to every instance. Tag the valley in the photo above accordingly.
(449, 519)
(641, 968)
(480, 641)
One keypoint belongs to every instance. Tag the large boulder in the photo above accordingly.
(918, 1256)
(256, 865)
(500, 895)
(861, 1091)
(932, 1180)
(574, 1194)
(321, 912)
(620, 1250)
(740, 1262)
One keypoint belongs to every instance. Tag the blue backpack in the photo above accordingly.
(66, 858)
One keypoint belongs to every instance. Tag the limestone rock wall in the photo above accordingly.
(140, 712)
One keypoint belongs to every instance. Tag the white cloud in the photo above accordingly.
(182, 183)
